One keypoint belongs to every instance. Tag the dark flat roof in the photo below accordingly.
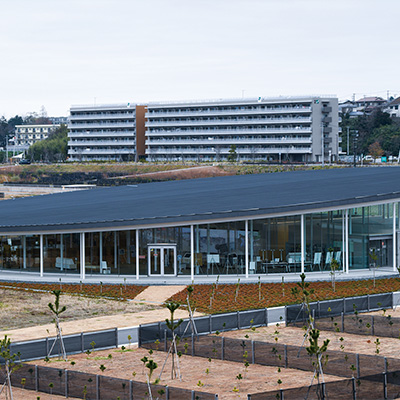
(200, 199)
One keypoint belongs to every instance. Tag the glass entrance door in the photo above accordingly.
(162, 259)
(383, 248)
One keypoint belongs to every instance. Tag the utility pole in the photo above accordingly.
(355, 137)
(348, 140)
(7, 148)
(322, 144)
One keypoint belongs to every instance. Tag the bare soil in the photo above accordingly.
(389, 347)
(19, 309)
(23, 394)
(220, 378)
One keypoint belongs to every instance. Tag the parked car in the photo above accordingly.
(24, 162)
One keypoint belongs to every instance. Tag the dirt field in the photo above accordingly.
(220, 378)
(21, 394)
(389, 347)
(23, 309)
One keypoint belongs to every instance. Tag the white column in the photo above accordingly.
(82, 255)
(128, 245)
(24, 250)
(346, 233)
(115, 251)
(246, 247)
(41, 255)
(343, 244)
(394, 239)
(137, 254)
(251, 242)
(191, 253)
(62, 251)
(101, 247)
(302, 236)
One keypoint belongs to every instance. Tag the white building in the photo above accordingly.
(393, 108)
(27, 135)
(102, 132)
(278, 129)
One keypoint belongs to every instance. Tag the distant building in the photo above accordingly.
(368, 104)
(59, 120)
(280, 129)
(277, 129)
(393, 108)
(27, 135)
(104, 132)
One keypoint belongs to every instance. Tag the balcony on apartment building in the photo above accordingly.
(154, 113)
(93, 134)
(225, 150)
(94, 152)
(238, 141)
(101, 125)
(92, 143)
(229, 131)
(75, 117)
(230, 121)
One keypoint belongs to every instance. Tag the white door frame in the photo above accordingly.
(160, 247)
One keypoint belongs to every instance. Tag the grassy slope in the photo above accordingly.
(77, 172)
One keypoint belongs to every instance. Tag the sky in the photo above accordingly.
(58, 53)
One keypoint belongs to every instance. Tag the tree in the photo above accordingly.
(173, 325)
(388, 136)
(375, 150)
(57, 310)
(10, 365)
(232, 154)
(53, 149)
(368, 126)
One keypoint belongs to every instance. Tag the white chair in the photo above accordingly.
(328, 259)
(103, 268)
(317, 260)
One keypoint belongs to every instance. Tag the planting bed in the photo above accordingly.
(221, 378)
(225, 298)
(116, 292)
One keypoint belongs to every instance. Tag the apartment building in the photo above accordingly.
(27, 135)
(295, 129)
(103, 132)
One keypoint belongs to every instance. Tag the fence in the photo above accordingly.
(341, 363)
(95, 387)
(380, 386)
(77, 343)
(213, 323)
(335, 307)
(359, 324)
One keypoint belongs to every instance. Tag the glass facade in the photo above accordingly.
(61, 253)
(324, 240)
(219, 248)
(256, 246)
(165, 251)
(275, 245)
(371, 231)
(20, 253)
